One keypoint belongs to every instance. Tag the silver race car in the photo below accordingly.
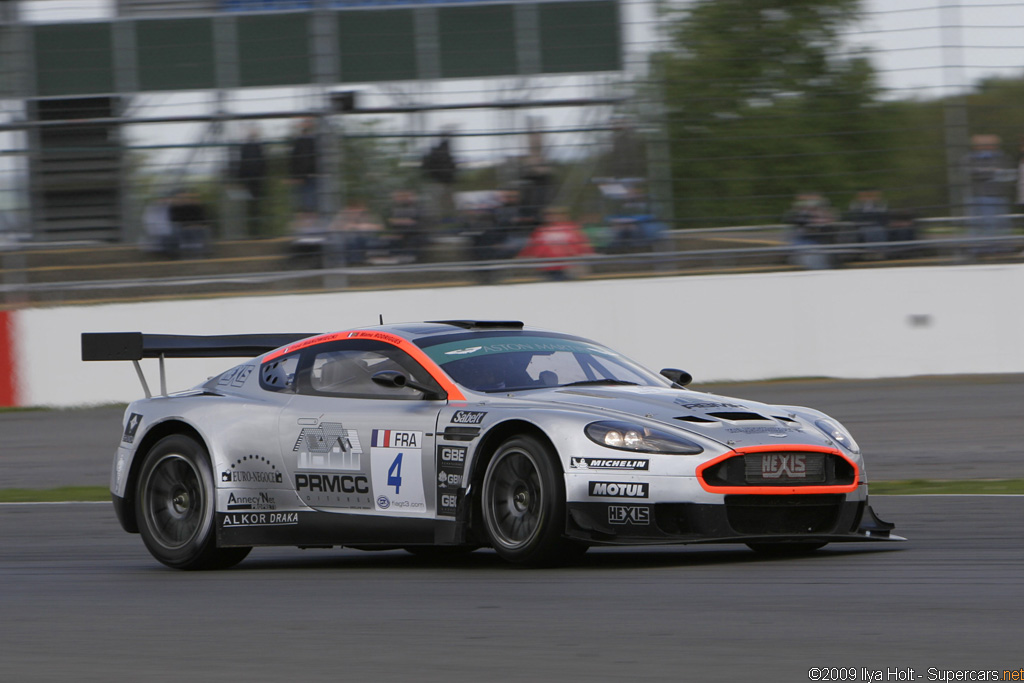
(459, 434)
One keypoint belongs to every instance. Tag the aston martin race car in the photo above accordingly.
(454, 435)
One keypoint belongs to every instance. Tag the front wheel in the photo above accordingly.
(523, 503)
(174, 505)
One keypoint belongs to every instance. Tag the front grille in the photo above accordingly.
(781, 468)
(784, 468)
(784, 515)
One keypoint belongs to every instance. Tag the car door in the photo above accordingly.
(357, 446)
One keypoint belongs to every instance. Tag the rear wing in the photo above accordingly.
(135, 346)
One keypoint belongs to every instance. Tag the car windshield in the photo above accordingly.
(513, 362)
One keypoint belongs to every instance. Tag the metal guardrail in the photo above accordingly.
(957, 250)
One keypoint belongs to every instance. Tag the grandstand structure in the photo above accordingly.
(92, 149)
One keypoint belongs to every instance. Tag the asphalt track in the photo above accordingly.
(82, 601)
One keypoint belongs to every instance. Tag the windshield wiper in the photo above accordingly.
(598, 381)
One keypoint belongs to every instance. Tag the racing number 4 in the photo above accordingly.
(395, 473)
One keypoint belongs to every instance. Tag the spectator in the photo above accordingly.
(405, 223)
(628, 159)
(557, 238)
(439, 167)
(635, 226)
(303, 169)
(990, 178)
(251, 174)
(354, 233)
(869, 214)
(189, 225)
(538, 186)
(161, 234)
(814, 223)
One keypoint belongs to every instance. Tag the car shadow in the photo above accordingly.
(597, 559)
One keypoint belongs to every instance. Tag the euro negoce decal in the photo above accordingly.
(450, 466)
(252, 469)
(629, 514)
(134, 420)
(396, 464)
(233, 519)
(610, 489)
(467, 417)
(609, 464)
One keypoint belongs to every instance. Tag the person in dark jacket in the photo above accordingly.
(251, 174)
(303, 168)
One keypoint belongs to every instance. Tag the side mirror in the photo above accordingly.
(396, 380)
(679, 377)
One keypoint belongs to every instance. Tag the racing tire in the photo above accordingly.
(174, 506)
(523, 504)
(786, 549)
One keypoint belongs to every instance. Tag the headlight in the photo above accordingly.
(624, 436)
(842, 437)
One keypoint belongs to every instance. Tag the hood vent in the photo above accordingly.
(738, 416)
(694, 419)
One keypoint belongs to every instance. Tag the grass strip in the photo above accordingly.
(61, 494)
(947, 486)
(906, 487)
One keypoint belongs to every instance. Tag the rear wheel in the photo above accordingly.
(786, 549)
(174, 505)
(523, 504)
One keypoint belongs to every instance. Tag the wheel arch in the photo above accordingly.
(156, 432)
(485, 450)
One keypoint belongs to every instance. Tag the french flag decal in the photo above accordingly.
(381, 438)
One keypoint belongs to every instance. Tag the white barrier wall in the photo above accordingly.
(847, 323)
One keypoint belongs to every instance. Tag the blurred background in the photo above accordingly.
(163, 148)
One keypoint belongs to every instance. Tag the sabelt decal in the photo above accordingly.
(609, 464)
(450, 467)
(252, 469)
(629, 514)
(131, 427)
(236, 519)
(615, 489)
(467, 417)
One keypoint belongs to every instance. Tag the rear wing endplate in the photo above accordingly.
(135, 346)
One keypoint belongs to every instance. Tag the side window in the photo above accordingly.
(279, 374)
(346, 369)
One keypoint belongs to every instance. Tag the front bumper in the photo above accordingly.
(739, 519)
